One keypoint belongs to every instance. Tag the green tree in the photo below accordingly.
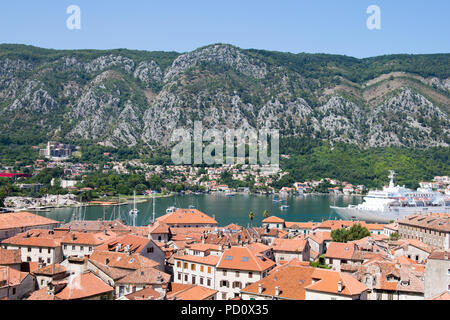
(266, 214)
(356, 232)
(394, 236)
(251, 215)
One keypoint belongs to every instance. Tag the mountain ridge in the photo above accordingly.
(137, 98)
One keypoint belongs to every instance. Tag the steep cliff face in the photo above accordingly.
(133, 98)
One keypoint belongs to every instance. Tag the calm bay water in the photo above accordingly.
(225, 209)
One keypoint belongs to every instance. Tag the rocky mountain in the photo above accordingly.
(136, 98)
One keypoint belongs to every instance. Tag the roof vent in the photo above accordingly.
(339, 286)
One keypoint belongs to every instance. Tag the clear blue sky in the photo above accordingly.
(329, 26)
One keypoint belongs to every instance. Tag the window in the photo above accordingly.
(40, 250)
(209, 269)
(193, 267)
(208, 282)
(224, 272)
(201, 268)
(179, 276)
(28, 259)
(237, 274)
(185, 265)
(185, 278)
(150, 250)
(250, 274)
(65, 246)
(237, 284)
(193, 279)
(224, 296)
(178, 264)
(73, 247)
(229, 258)
(29, 249)
(201, 280)
(90, 248)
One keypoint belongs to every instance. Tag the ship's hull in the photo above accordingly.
(349, 213)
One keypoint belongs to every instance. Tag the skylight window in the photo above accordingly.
(244, 259)
(229, 258)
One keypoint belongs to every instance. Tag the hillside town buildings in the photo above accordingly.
(186, 255)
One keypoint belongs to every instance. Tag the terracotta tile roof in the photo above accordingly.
(208, 260)
(84, 286)
(289, 245)
(42, 294)
(327, 281)
(146, 276)
(37, 238)
(12, 220)
(187, 231)
(145, 294)
(242, 258)
(338, 250)
(233, 226)
(286, 263)
(159, 228)
(273, 219)
(300, 225)
(187, 216)
(258, 247)
(135, 243)
(86, 238)
(436, 222)
(291, 281)
(112, 272)
(122, 260)
(392, 276)
(10, 256)
(11, 277)
(203, 247)
(415, 243)
(97, 226)
(320, 236)
(50, 270)
(392, 226)
(439, 255)
(193, 292)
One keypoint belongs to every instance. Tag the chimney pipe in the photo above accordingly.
(277, 291)
(260, 288)
(339, 286)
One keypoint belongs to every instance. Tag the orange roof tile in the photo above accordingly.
(242, 258)
(338, 250)
(327, 281)
(12, 220)
(289, 245)
(84, 286)
(273, 219)
(10, 256)
(291, 282)
(187, 216)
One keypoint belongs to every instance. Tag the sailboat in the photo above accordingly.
(133, 212)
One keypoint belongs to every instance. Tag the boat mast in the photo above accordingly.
(153, 208)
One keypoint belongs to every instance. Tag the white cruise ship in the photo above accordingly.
(395, 202)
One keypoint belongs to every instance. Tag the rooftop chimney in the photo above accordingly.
(260, 288)
(339, 286)
(277, 291)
